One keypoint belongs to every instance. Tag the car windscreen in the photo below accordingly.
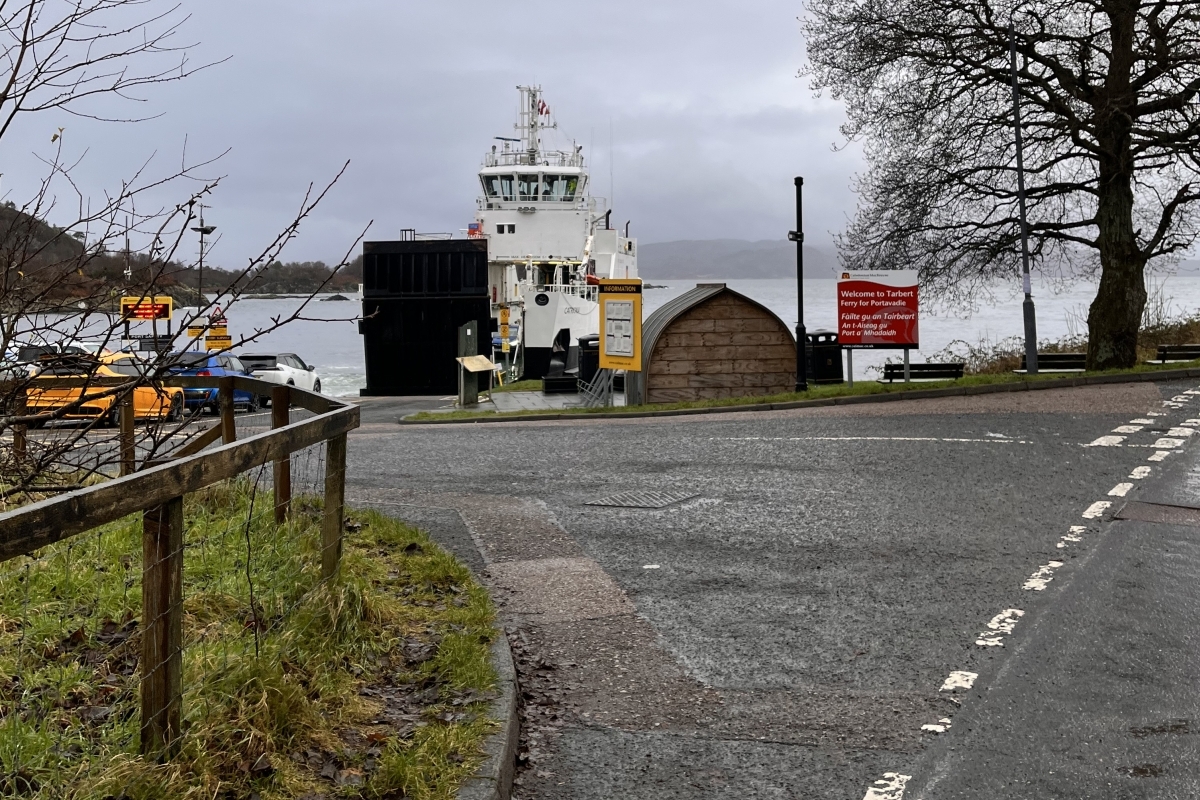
(32, 353)
(188, 361)
(258, 362)
(127, 366)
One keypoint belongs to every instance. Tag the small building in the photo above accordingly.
(712, 342)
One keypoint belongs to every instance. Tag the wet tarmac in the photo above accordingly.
(833, 612)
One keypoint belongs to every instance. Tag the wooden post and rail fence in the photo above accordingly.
(156, 491)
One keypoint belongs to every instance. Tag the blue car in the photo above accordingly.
(218, 366)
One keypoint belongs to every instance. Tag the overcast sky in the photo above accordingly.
(709, 121)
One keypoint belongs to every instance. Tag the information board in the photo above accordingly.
(878, 309)
(147, 308)
(621, 324)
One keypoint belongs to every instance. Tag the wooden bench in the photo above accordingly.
(922, 372)
(1057, 362)
(1177, 352)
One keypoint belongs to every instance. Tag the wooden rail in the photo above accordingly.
(156, 492)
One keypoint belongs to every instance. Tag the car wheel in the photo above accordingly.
(317, 386)
(175, 414)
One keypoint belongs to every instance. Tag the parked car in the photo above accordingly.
(286, 369)
(150, 401)
(218, 366)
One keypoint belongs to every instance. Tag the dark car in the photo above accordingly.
(218, 366)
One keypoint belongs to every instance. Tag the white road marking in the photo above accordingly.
(1127, 429)
(1097, 509)
(1141, 421)
(1165, 444)
(650, 566)
(1038, 580)
(1120, 490)
(1191, 423)
(1180, 398)
(859, 439)
(1075, 535)
(1139, 473)
(1155, 414)
(1001, 625)
(959, 680)
(891, 787)
(1159, 456)
(941, 727)
(1106, 441)
(1184, 432)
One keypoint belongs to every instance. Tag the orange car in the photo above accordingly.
(149, 402)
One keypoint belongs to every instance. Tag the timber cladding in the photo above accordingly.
(713, 343)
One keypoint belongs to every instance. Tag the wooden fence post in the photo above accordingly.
(335, 502)
(20, 432)
(281, 401)
(228, 428)
(162, 627)
(128, 460)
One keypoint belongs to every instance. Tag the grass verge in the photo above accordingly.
(375, 685)
(815, 392)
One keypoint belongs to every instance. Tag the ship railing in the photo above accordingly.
(520, 158)
(581, 290)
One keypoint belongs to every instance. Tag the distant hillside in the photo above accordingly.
(732, 258)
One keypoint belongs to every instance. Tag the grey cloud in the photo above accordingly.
(710, 121)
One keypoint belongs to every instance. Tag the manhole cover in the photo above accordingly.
(643, 499)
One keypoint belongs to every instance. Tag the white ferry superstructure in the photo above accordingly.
(549, 239)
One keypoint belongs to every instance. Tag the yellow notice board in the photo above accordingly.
(621, 324)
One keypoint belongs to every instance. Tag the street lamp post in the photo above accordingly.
(797, 236)
(1031, 365)
(203, 230)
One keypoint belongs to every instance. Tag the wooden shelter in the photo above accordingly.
(712, 342)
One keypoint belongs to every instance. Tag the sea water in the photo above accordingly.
(326, 334)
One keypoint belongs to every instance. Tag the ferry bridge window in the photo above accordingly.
(529, 187)
(491, 185)
(560, 187)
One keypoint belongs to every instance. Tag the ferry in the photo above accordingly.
(549, 240)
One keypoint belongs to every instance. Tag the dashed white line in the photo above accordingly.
(1000, 626)
(942, 726)
(1120, 490)
(1184, 432)
(959, 679)
(1141, 421)
(1106, 441)
(1159, 455)
(891, 787)
(1139, 473)
(1168, 444)
(1097, 509)
(1127, 429)
(1075, 535)
(1040, 579)
(650, 566)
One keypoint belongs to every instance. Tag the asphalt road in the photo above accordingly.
(827, 589)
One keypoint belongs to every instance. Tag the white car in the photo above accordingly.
(286, 369)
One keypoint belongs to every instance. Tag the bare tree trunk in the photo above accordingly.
(1116, 314)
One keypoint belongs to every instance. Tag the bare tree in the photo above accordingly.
(1111, 118)
(61, 283)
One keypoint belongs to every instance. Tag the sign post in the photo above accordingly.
(878, 309)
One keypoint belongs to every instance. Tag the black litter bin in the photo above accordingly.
(824, 355)
(589, 357)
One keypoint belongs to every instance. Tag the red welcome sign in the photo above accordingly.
(878, 309)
